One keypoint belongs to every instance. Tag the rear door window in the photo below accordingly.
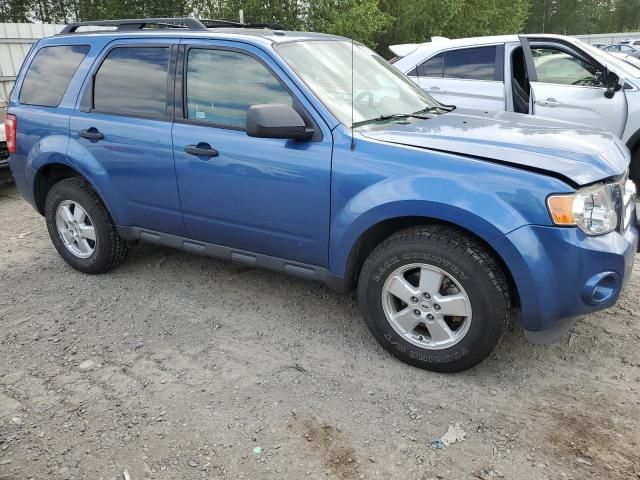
(471, 63)
(49, 74)
(133, 81)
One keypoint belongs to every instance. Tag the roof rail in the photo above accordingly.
(138, 24)
(227, 24)
(188, 23)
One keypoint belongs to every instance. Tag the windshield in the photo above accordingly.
(378, 88)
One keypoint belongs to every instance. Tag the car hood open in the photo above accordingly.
(577, 154)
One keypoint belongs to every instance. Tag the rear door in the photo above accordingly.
(566, 85)
(122, 130)
(470, 77)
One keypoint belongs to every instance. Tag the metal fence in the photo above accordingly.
(15, 41)
(608, 38)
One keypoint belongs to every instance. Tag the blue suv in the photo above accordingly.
(310, 155)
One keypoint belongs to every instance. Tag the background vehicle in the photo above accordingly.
(601, 46)
(5, 174)
(547, 75)
(264, 147)
(622, 49)
(631, 43)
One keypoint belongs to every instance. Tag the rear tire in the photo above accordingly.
(456, 295)
(81, 229)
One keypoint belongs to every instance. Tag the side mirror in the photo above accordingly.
(612, 83)
(276, 121)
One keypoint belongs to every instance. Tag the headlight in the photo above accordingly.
(590, 209)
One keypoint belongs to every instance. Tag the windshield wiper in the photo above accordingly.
(392, 116)
(434, 109)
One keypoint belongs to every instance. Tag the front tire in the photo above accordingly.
(435, 298)
(634, 168)
(81, 229)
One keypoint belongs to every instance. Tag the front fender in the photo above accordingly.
(379, 181)
(486, 213)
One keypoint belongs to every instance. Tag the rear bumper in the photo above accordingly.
(562, 274)
(17, 165)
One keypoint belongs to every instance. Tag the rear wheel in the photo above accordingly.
(81, 229)
(434, 298)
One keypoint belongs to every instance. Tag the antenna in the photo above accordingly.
(353, 141)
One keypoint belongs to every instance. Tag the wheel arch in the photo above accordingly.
(47, 175)
(376, 233)
(633, 144)
(633, 141)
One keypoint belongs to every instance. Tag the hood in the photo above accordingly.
(577, 154)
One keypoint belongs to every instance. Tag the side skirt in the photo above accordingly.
(250, 259)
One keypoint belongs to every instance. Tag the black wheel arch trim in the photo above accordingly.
(634, 141)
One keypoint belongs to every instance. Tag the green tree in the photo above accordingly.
(45, 11)
(14, 11)
(488, 17)
(107, 9)
(288, 13)
(626, 16)
(414, 21)
(570, 17)
(357, 19)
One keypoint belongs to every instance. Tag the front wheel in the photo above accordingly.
(634, 168)
(434, 298)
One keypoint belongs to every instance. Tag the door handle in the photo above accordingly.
(201, 150)
(91, 134)
(435, 90)
(549, 102)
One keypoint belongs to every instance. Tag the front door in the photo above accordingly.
(566, 85)
(262, 195)
(122, 130)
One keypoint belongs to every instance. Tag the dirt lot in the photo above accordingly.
(181, 367)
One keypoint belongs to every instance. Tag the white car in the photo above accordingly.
(547, 75)
(622, 50)
(633, 43)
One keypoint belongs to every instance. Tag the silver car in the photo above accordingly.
(622, 49)
(544, 75)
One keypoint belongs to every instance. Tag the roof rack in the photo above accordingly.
(187, 23)
(227, 24)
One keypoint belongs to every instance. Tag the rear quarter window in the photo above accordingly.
(432, 67)
(49, 74)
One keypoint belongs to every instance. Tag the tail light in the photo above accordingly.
(10, 126)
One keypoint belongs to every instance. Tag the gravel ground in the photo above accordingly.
(175, 366)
